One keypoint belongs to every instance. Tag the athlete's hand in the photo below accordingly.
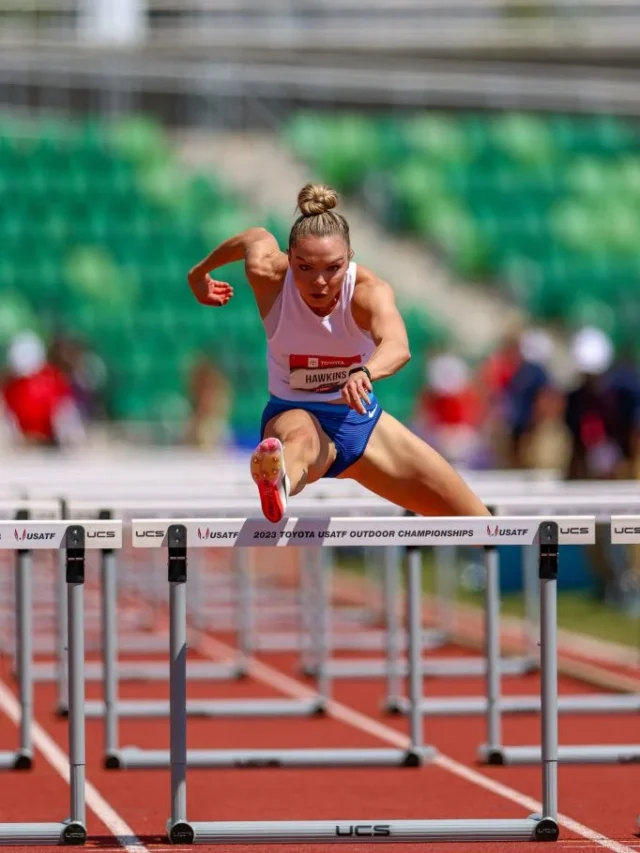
(356, 389)
(208, 291)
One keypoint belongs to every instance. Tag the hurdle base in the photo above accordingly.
(152, 708)
(21, 760)
(42, 834)
(149, 671)
(461, 706)
(359, 831)
(445, 668)
(587, 754)
(134, 758)
(356, 641)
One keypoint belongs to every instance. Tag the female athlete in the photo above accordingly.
(333, 330)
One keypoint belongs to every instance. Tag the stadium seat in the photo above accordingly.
(544, 206)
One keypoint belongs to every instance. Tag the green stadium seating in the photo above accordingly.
(544, 206)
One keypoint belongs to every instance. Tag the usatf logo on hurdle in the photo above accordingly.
(496, 530)
(21, 535)
(207, 533)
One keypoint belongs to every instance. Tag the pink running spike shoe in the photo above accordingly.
(268, 472)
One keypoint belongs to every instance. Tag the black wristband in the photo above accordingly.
(364, 370)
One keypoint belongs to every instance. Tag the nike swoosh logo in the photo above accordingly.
(372, 412)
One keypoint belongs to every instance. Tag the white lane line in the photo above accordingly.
(123, 833)
(274, 678)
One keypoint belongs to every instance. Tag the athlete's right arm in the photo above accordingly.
(256, 246)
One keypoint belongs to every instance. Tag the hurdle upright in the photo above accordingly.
(625, 530)
(22, 758)
(75, 538)
(179, 536)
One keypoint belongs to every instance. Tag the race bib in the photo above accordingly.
(320, 373)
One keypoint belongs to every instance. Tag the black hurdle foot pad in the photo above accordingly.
(547, 830)
(181, 833)
(494, 757)
(23, 762)
(412, 759)
(74, 834)
(393, 708)
(112, 762)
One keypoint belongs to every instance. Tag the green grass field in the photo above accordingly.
(577, 611)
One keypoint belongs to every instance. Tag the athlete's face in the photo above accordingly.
(319, 265)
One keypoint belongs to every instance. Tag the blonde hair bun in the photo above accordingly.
(316, 199)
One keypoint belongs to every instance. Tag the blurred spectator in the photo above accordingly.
(512, 378)
(498, 369)
(210, 399)
(603, 416)
(624, 381)
(86, 374)
(449, 411)
(37, 396)
(547, 445)
(593, 412)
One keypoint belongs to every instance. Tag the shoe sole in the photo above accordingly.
(267, 470)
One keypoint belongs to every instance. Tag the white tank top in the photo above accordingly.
(308, 356)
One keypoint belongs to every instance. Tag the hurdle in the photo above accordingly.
(180, 536)
(75, 538)
(560, 505)
(625, 530)
(493, 490)
(113, 708)
(112, 670)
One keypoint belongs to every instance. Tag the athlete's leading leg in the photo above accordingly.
(399, 466)
(295, 451)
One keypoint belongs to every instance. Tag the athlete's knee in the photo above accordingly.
(304, 441)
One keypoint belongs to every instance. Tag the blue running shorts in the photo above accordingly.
(349, 430)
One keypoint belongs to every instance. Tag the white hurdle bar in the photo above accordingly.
(625, 530)
(178, 536)
(74, 537)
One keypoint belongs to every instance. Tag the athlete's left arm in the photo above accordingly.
(374, 310)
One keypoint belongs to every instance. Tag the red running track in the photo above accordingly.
(599, 804)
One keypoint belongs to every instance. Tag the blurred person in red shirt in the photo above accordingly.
(450, 411)
(37, 396)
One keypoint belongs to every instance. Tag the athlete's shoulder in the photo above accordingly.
(370, 288)
(265, 263)
(372, 297)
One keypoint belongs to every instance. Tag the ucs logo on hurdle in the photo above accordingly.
(363, 829)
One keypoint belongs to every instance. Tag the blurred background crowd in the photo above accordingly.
(507, 410)
(511, 411)
(488, 157)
